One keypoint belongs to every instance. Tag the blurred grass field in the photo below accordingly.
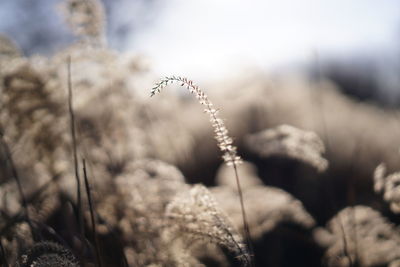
(310, 144)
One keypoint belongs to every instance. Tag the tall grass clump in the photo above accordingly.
(225, 143)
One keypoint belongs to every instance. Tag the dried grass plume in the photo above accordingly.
(389, 186)
(371, 239)
(196, 213)
(86, 18)
(291, 142)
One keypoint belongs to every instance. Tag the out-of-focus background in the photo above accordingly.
(356, 42)
(309, 92)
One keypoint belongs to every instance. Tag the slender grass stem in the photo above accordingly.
(19, 185)
(92, 210)
(3, 255)
(244, 216)
(74, 147)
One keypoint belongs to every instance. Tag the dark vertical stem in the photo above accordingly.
(91, 208)
(74, 147)
(319, 110)
(318, 102)
(3, 254)
(345, 244)
(244, 217)
(19, 185)
(351, 196)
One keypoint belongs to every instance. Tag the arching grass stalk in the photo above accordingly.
(225, 143)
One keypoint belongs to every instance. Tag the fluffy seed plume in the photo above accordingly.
(389, 186)
(225, 143)
(379, 178)
(85, 18)
(196, 212)
(291, 142)
(371, 240)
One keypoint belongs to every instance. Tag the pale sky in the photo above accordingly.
(205, 39)
(208, 38)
